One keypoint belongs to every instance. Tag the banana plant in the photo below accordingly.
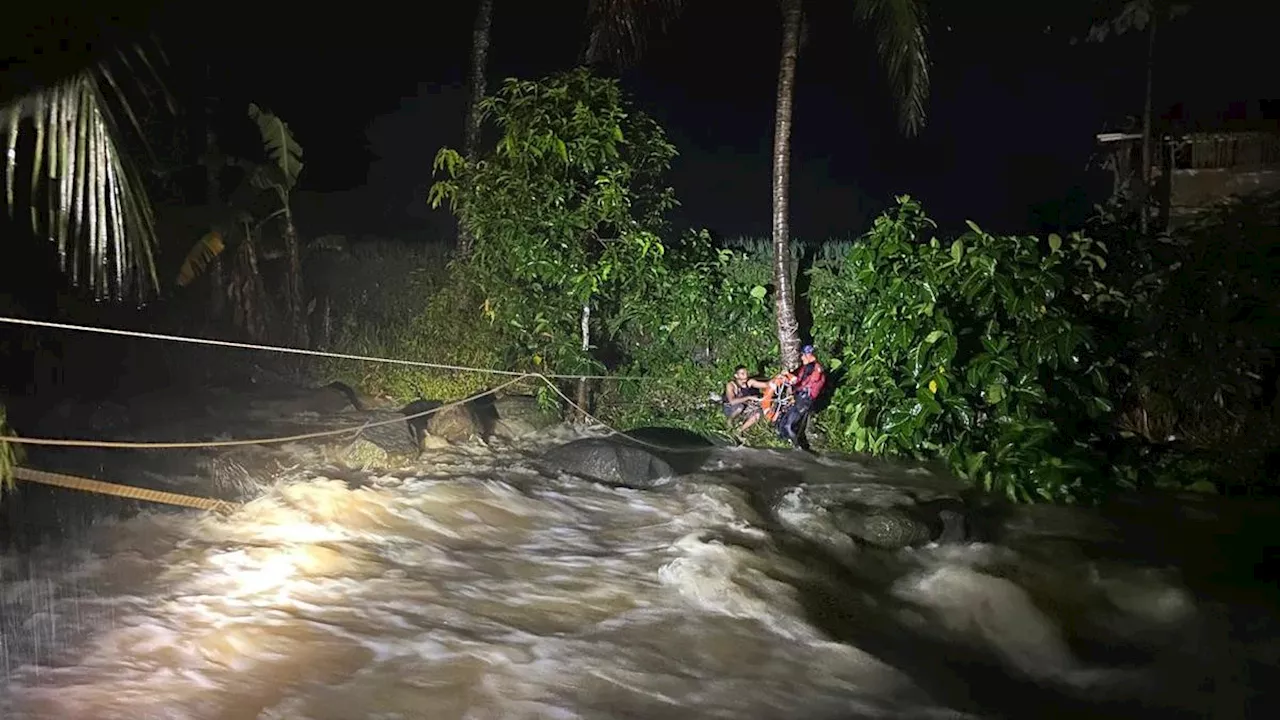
(10, 456)
(240, 232)
(281, 177)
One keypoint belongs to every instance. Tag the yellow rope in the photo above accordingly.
(74, 482)
(277, 440)
(131, 492)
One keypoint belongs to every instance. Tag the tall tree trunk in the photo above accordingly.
(213, 163)
(784, 300)
(1144, 195)
(250, 290)
(475, 93)
(298, 330)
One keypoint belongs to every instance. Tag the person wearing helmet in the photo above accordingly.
(806, 383)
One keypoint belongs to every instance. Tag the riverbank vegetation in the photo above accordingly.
(1044, 368)
(1055, 368)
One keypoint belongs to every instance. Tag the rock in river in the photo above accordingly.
(608, 461)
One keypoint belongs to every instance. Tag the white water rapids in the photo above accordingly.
(473, 586)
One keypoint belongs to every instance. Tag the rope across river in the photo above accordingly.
(133, 492)
(296, 351)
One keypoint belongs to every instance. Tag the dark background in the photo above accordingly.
(373, 90)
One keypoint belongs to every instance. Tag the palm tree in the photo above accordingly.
(617, 32)
(80, 189)
(475, 94)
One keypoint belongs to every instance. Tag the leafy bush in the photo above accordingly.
(706, 313)
(565, 213)
(973, 350)
(1202, 344)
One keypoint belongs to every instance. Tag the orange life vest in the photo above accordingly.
(772, 402)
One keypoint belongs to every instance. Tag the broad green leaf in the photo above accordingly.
(994, 393)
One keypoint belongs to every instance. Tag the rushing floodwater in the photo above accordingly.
(475, 587)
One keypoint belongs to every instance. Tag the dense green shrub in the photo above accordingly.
(566, 213)
(1202, 340)
(974, 350)
(706, 312)
(1032, 366)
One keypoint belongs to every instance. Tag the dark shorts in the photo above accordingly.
(746, 409)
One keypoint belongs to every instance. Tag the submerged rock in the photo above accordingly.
(512, 429)
(939, 520)
(675, 438)
(520, 411)
(452, 424)
(455, 424)
(364, 454)
(609, 461)
(684, 450)
(880, 516)
(889, 528)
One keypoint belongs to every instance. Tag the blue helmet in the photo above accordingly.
(806, 350)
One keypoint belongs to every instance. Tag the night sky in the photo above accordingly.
(372, 95)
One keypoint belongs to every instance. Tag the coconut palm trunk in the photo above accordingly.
(1147, 140)
(475, 93)
(784, 294)
(898, 28)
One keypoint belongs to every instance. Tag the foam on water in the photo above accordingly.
(478, 588)
(490, 594)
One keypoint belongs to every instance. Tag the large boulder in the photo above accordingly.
(889, 528)
(515, 416)
(939, 520)
(384, 442)
(450, 424)
(609, 461)
(523, 411)
(365, 455)
(684, 450)
(456, 424)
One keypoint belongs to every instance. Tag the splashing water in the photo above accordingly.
(478, 587)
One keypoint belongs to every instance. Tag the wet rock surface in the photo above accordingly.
(609, 460)
(770, 571)
(889, 528)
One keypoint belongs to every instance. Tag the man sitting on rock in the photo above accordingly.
(742, 398)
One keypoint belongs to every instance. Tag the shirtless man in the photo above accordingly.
(742, 397)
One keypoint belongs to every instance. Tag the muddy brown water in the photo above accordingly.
(477, 584)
